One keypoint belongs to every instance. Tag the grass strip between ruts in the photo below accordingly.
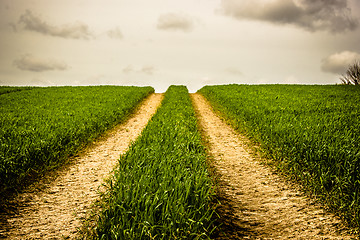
(161, 189)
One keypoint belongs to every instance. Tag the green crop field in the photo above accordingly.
(313, 133)
(161, 189)
(6, 89)
(42, 126)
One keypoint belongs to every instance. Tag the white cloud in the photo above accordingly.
(313, 15)
(75, 30)
(29, 62)
(339, 62)
(175, 21)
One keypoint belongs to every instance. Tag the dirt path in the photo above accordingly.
(57, 211)
(255, 202)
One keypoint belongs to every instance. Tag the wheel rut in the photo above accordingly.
(58, 210)
(254, 202)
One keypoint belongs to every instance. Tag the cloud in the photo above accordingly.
(312, 15)
(149, 70)
(30, 63)
(12, 26)
(338, 63)
(175, 21)
(115, 33)
(75, 30)
(146, 69)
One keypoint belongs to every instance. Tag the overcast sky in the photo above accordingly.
(188, 42)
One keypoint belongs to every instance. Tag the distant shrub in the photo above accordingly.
(352, 76)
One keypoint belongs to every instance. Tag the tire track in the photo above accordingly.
(59, 209)
(255, 203)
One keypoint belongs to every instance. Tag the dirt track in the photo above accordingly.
(58, 210)
(255, 202)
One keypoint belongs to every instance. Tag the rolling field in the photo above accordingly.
(161, 189)
(43, 126)
(313, 133)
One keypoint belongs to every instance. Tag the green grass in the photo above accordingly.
(161, 189)
(313, 133)
(42, 127)
(9, 89)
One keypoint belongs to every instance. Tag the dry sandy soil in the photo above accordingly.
(58, 209)
(255, 203)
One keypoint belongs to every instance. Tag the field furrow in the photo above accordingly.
(57, 211)
(254, 202)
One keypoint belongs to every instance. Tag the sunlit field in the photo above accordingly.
(313, 133)
(40, 127)
(161, 189)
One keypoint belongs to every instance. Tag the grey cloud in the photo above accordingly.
(115, 33)
(313, 15)
(75, 30)
(30, 63)
(12, 26)
(339, 62)
(175, 21)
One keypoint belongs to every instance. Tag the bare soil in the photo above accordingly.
(255, 202)
(56, 209)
